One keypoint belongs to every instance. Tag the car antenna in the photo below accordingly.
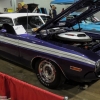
(27, 21)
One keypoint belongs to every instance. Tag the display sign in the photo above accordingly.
(19, 29)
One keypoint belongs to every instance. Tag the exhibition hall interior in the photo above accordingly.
(49, 49)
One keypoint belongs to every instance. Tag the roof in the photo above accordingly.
(16, 15)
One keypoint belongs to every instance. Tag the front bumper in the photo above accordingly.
(92, 76)
(88, 77)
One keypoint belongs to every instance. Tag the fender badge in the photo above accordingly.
(75, 68)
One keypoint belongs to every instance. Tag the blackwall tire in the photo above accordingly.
(49, 74)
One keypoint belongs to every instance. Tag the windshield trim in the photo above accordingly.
(42, 20)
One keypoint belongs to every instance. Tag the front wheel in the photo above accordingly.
(49, 74)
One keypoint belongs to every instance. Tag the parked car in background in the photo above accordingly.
(54, 53)
(91, 23)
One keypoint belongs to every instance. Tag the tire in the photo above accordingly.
(49, 74)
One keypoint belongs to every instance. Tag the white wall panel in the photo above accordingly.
(4, 4)
(8, 4)
(19, 1)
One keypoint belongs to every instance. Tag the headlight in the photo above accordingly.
(97, 64)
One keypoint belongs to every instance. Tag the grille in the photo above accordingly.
(81, 35)
(98, 74)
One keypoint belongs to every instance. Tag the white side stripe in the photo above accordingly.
(46, 50)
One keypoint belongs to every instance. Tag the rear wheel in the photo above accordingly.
(49, 74)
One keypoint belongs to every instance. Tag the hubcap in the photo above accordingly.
(47, 71)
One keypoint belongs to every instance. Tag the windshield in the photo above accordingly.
(46, 18)
(91, 19)
(87, 20)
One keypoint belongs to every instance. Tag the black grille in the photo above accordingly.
(98, 74)
(81, 35)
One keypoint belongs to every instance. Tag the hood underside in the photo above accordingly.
(92, 5)
(32, 6)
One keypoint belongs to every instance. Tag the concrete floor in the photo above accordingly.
(72, 90)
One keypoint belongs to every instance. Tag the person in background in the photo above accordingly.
(37, 10)
(19, 7)
(51, 6)
(24, 9)
(50, 10)
(25, 6)
(62, 9)
(50, 13)
(16, 10)
(53, 11)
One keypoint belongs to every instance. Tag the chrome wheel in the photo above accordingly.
(47, 71)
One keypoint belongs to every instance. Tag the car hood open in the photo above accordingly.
(32, 6)
(92, 5)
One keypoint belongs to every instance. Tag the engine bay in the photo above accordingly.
(72, 38)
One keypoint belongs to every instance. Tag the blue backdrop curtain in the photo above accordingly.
(63, 1)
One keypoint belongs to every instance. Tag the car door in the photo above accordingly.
(25, 51)
(9, 43)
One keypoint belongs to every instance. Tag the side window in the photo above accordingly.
(46, 18)
(33, 21)
(5, 20)
(36, 21)
(23, 21)
(20, 21)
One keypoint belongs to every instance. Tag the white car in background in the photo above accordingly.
(28, 20)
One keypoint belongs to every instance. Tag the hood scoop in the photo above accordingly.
(73, 36)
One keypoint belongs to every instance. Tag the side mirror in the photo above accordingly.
(3, 31)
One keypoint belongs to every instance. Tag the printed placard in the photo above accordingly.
(19, 29)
